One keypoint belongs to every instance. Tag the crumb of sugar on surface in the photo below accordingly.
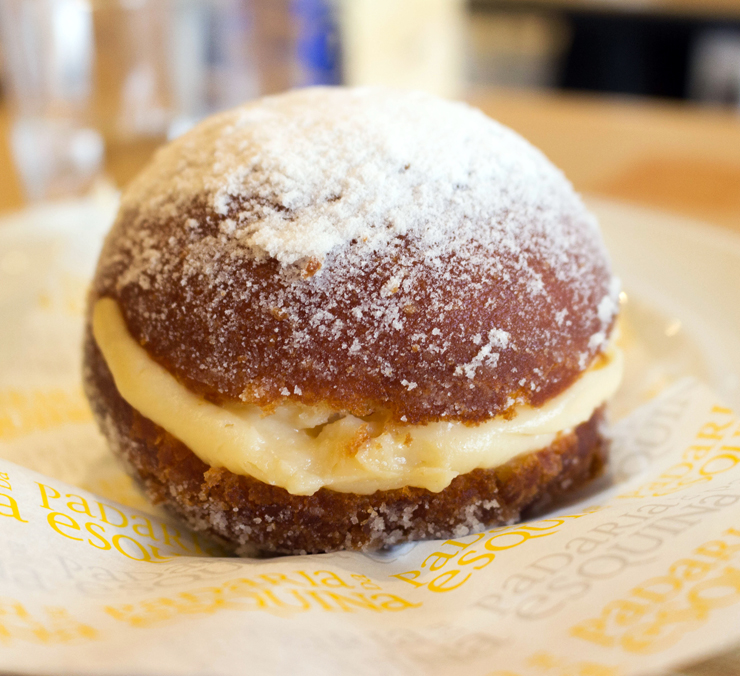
(496, 338)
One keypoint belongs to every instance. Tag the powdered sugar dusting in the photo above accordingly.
(301, 174)
(327, 241)
(496, 338)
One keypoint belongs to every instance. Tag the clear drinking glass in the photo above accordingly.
(96, 85)
(48, 56)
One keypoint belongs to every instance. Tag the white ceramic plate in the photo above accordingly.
(682, 316)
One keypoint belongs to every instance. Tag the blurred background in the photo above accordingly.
(637, 99)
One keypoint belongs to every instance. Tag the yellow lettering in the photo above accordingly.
(704, 597)
(719, 464)
(465, 559)
(690, 570)
(116, 540)
(45, 495)
(275, 578)
(104, 515)
(658, 590)
(56, 521)
(438, 584)
(365, 582)
(411, 580)
(98, 536)
(146, 530)
(594, 631)
(713, 431)
(303, 604)
(57, 627)
(172, 538)
(349, 602)
(8, 502)
(80, 507)
(330, 579)
(439, 559)
(315, 595)
(310, 580)
(241, 586)
(677, 472)
(696, 453)
(716, 549)
(522, 534)
(162, 557)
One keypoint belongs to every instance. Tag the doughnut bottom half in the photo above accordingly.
(249, 516)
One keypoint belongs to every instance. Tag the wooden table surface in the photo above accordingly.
(10, 188)
(671, 156)
(677, 157)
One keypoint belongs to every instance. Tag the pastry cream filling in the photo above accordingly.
(304, 448)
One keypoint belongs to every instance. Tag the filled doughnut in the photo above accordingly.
(348, 318)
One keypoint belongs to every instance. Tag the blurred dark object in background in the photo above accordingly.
(629, 54)
(687, 50)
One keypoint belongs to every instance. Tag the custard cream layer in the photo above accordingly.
(304, 448)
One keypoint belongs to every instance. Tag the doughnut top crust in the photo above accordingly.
(366, 249)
